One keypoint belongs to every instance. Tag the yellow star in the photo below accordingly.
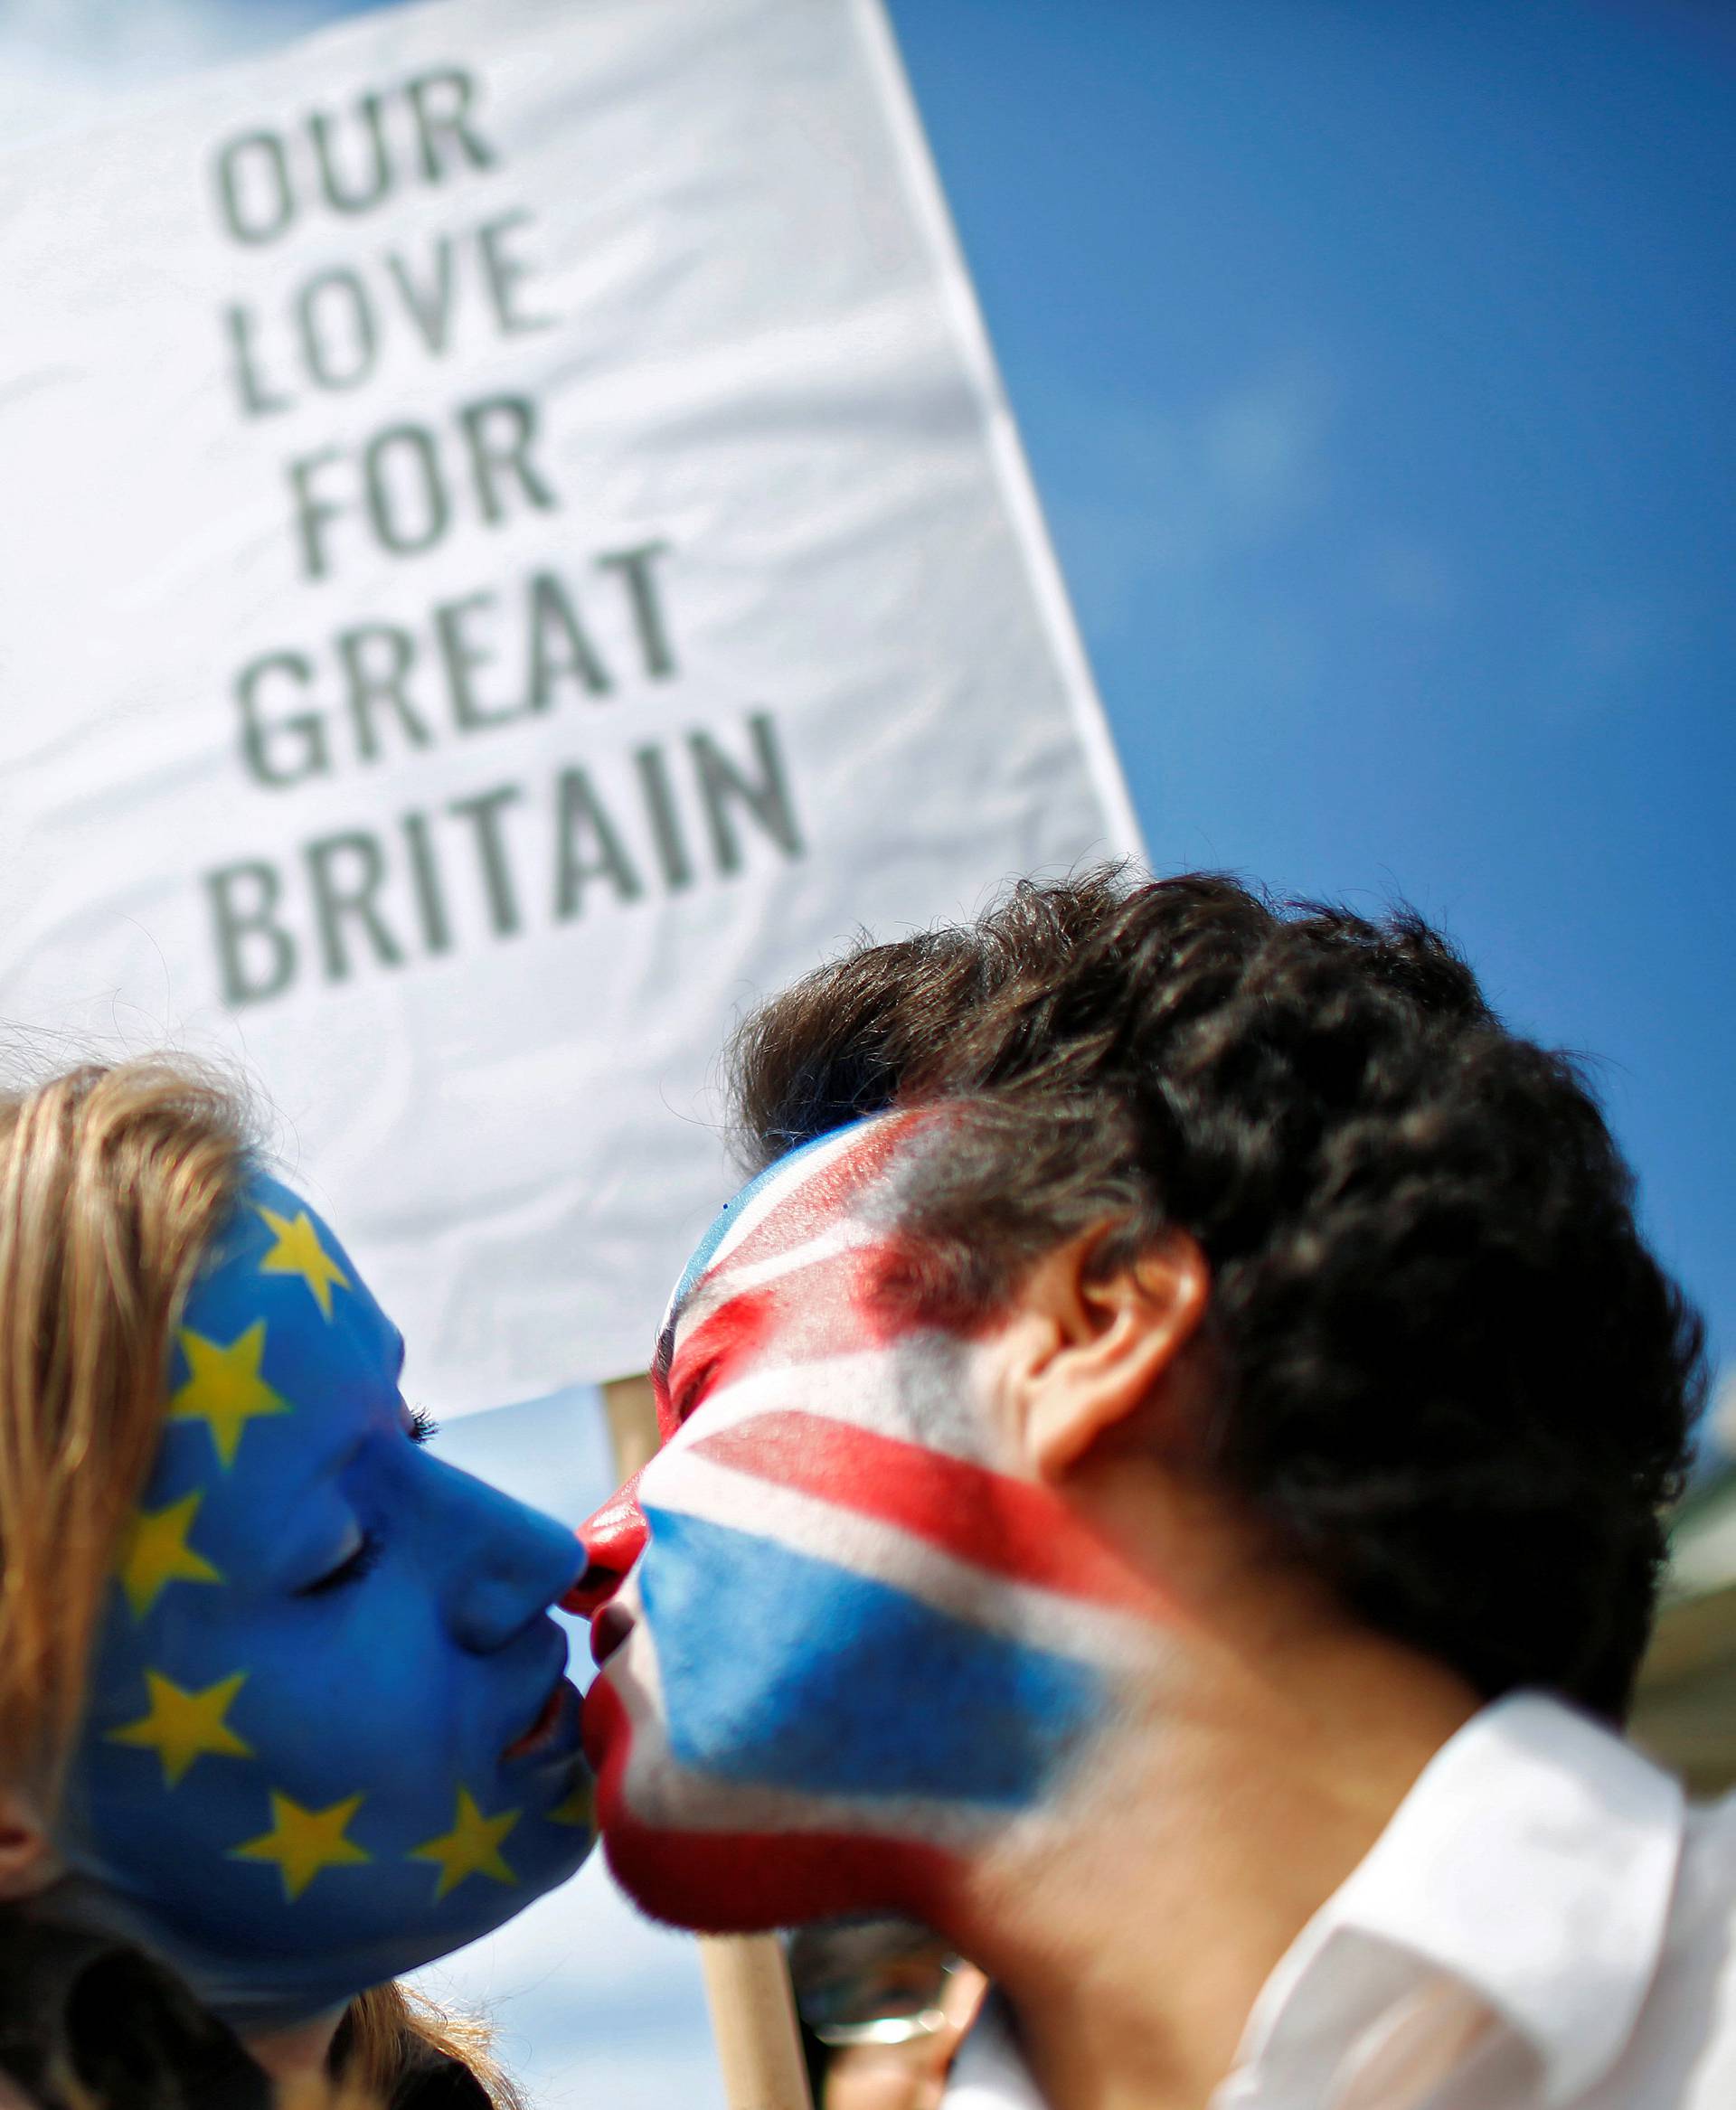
(157, 1554)
(472, 1847)
(183, 1725)
(225, 1390)
(303, 1841)
(578, 1808)
(300, 1252)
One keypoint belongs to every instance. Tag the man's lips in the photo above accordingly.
(608, 1630)
(603, 1722)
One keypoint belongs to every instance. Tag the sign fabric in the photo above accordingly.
(511, 546)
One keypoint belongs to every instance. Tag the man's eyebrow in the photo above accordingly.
(694, 1278)
(664, 1353)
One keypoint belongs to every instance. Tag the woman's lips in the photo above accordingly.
(545, 1726)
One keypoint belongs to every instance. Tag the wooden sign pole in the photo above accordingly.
(747, 1980)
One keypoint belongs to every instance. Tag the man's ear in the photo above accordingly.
(27, 1862)
(1088, 1346)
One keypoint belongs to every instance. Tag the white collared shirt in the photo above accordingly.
(1542, 1926)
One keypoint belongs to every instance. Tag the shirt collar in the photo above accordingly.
(989, 2074)
(1534, 1862)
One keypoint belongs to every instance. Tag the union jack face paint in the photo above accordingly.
(854, 1645)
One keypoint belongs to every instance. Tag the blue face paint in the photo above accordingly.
(328, 1737)
(999, 1718)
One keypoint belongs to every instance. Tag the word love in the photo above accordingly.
(330, 333)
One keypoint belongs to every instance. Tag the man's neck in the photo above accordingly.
(1132, 1939)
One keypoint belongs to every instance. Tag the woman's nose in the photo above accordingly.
(612, 1537)
(508, 1564)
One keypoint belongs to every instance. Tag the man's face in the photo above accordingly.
(855, 1645)
(329, 1734)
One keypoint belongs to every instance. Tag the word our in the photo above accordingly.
(423, 131)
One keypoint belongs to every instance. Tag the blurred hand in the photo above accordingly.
(905, 2077)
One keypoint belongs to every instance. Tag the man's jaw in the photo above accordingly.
(716, 1882)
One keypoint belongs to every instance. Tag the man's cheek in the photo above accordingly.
(782, 1671)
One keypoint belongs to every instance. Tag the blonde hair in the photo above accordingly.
(112, 1182)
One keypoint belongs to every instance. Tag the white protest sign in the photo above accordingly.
(511, 546)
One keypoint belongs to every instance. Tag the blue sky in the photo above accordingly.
(1370, 362)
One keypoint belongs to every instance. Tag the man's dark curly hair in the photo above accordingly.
(1455, 1384)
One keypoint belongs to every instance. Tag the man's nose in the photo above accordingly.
(612, 1537)
(507, 1564)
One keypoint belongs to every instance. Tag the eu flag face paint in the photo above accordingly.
(856, 1645)
(329, 1734)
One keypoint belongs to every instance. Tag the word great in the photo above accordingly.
(382, 689)
(371, 898)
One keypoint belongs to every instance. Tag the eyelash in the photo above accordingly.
(423, 1428)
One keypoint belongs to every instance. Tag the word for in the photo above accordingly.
(353, 161)
(328, 332)
(402, 482)
(379, 687)
(380, 898)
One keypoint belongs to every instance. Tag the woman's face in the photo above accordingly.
(330, 1736)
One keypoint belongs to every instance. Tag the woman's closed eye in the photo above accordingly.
(356, 1561)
